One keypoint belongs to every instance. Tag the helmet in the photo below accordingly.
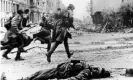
(71, 6)
(58, 9)
(26, 11)
(20, 12)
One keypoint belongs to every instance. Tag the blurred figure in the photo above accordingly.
(57, 15)
(45, 33)
(61, 34)
(25, 23)
(7, 26)
(8, 22)
(25, 18)
(15, 35)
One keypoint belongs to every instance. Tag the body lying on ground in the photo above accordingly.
(72, 70)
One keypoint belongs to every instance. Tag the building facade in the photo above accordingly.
(7, 7)
(5, 11)
(52, 5)
(37, 8)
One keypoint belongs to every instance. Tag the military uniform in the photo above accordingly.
(15, 22)
(14, 29)
(62, 24)
(71, 71)
(63, 21)
(45, 32)
(7, 26)
(25, 20)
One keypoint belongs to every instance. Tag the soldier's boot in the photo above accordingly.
(67, 48)
(51, 51)
(48, 45)
(6, 53)
(18, 57)
(3, 76)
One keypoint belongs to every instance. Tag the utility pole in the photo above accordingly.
(12, 6)
(91, 7)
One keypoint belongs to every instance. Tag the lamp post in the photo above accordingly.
(12, 5)
(91, 8)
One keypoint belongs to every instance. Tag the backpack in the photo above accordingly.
(69, 69)
(64, 70)
(7, 24)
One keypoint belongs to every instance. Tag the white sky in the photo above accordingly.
(80, 7)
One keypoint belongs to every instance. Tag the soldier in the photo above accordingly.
(25, 18)
(62, 24)
(7, 25)
(15, 29)
(72, 70)
(24, 23)
(45, 33)
(15, 34)
(57, 15)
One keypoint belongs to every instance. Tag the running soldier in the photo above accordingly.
(63, 22)
(7, 25)
(45, 33)
(14, 33)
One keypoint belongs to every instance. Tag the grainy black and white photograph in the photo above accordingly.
(66, 39)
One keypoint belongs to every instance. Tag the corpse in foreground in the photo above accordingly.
(72, 70)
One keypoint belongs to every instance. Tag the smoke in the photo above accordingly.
(80, 7)
(99, 5)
